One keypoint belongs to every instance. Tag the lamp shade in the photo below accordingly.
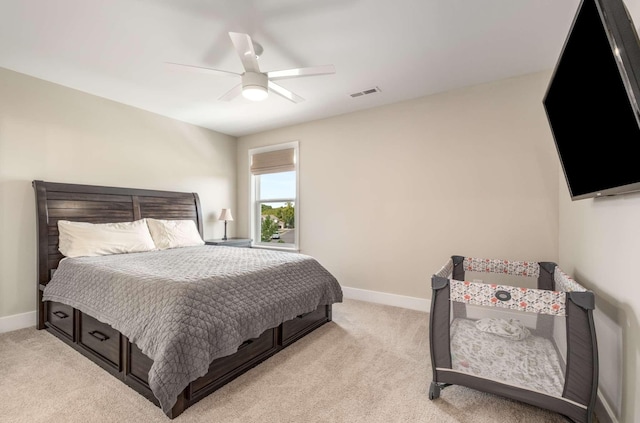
(225, 214)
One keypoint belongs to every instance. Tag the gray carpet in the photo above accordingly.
(371, 364)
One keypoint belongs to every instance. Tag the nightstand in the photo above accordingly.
(231, 242)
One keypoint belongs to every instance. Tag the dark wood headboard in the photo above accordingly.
(98, 204)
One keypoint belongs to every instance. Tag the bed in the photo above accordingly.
(489, 330)
(175, 325)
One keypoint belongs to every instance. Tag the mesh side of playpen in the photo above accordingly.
(507, 323)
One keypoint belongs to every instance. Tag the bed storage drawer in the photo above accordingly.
(139, 364)
(100, 338)
(293, 328)
(60, 316)
(249, 354)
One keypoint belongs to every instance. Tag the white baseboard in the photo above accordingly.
(412, 303)
(603, 410)
(17, 321)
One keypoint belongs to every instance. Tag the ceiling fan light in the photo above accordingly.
(254, 86)
(254, 92)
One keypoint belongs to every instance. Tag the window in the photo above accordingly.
(274, 199)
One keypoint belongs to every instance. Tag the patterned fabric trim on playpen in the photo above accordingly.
(515, 268)
(565, 283)
(537, 301)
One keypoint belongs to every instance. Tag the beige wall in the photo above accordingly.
(600, 246)
(57, 134)
(388, 194)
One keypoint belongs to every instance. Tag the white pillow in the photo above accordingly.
(174, 233)
(78, 239)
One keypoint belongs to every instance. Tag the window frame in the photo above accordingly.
(255, 201)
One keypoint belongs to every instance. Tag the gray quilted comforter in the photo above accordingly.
(186, 307)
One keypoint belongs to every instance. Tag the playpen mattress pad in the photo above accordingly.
(531, 363)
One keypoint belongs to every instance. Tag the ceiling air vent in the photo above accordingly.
(365, 92)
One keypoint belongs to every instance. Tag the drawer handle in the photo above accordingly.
(303, 315)
(245, 344)
(61, 314)
(98, 335)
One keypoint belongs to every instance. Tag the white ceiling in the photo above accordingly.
(408, 48)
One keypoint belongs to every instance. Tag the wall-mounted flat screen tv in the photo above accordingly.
(592, 102)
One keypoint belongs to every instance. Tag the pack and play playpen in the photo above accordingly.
(535, 345)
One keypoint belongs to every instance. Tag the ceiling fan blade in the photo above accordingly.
(232, 93)
(200, 69)
(283, 92)
(244, 47)
(296, 73)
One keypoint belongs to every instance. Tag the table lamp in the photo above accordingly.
(225, 215)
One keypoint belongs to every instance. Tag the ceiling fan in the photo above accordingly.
(256, 84)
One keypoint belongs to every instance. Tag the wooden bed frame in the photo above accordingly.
(100, 342)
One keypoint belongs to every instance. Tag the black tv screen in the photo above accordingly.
(592, 102)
